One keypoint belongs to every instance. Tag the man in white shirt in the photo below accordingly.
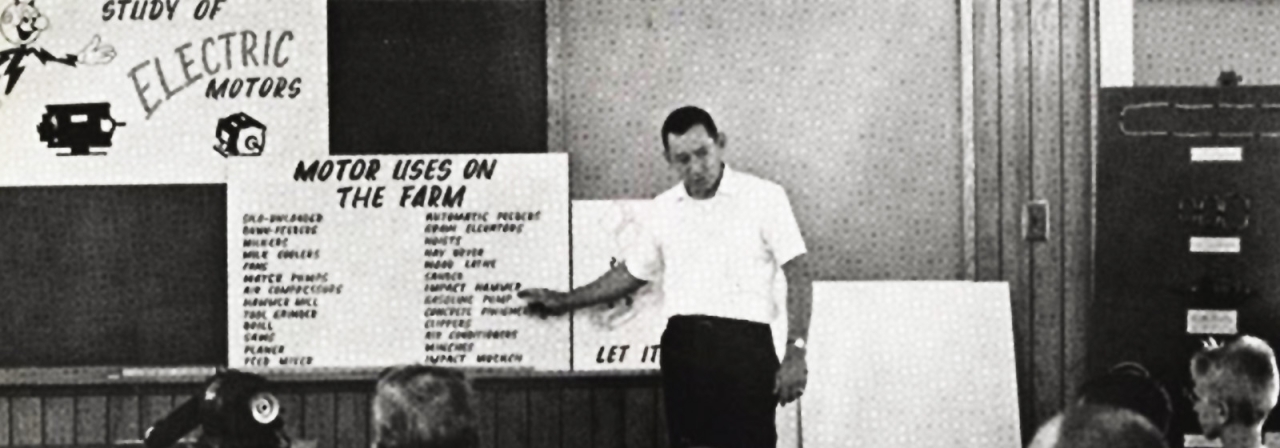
(717, 240)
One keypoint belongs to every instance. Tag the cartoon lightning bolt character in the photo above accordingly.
(21, 24)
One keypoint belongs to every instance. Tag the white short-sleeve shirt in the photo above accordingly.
(719, 256)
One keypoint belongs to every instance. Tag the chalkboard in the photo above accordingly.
(113, 275)
(414, 77)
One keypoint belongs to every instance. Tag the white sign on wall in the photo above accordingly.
(158, 91)
(894, 359)
(374, 261)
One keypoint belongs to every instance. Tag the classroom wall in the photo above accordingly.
(1188, 42)
(860, 117)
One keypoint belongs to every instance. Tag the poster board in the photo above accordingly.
(624, 334)
(336, 263)
(921, 364)
(160, 92)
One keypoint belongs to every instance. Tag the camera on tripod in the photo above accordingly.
(234, 410)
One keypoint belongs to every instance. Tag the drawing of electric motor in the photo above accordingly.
(623, 224)
(612, 315)
(240, 135)
(78, 127)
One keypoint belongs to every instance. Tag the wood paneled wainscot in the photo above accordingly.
(99, 407)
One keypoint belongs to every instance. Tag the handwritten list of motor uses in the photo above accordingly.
(276, 299)
(377, 261)
(451, 301)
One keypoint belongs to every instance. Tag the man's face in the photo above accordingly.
(696, 156)
(1209, 410)
(21, 23)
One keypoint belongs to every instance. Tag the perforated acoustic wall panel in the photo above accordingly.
(1188, 42)
(852, 107)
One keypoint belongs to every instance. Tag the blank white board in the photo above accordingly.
(919, 364)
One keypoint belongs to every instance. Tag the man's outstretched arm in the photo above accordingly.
(613, 285)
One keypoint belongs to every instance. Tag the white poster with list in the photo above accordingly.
(368, 262)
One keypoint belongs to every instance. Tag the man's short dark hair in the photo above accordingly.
(1129, 386)
(423, 407)
(1091, 426)
(685, 118)
(1242, 374)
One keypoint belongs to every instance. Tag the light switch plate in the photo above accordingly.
(1035, 221)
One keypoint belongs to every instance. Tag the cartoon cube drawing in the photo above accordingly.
(240, 135)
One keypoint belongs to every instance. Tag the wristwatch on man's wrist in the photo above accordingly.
(797, 343)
